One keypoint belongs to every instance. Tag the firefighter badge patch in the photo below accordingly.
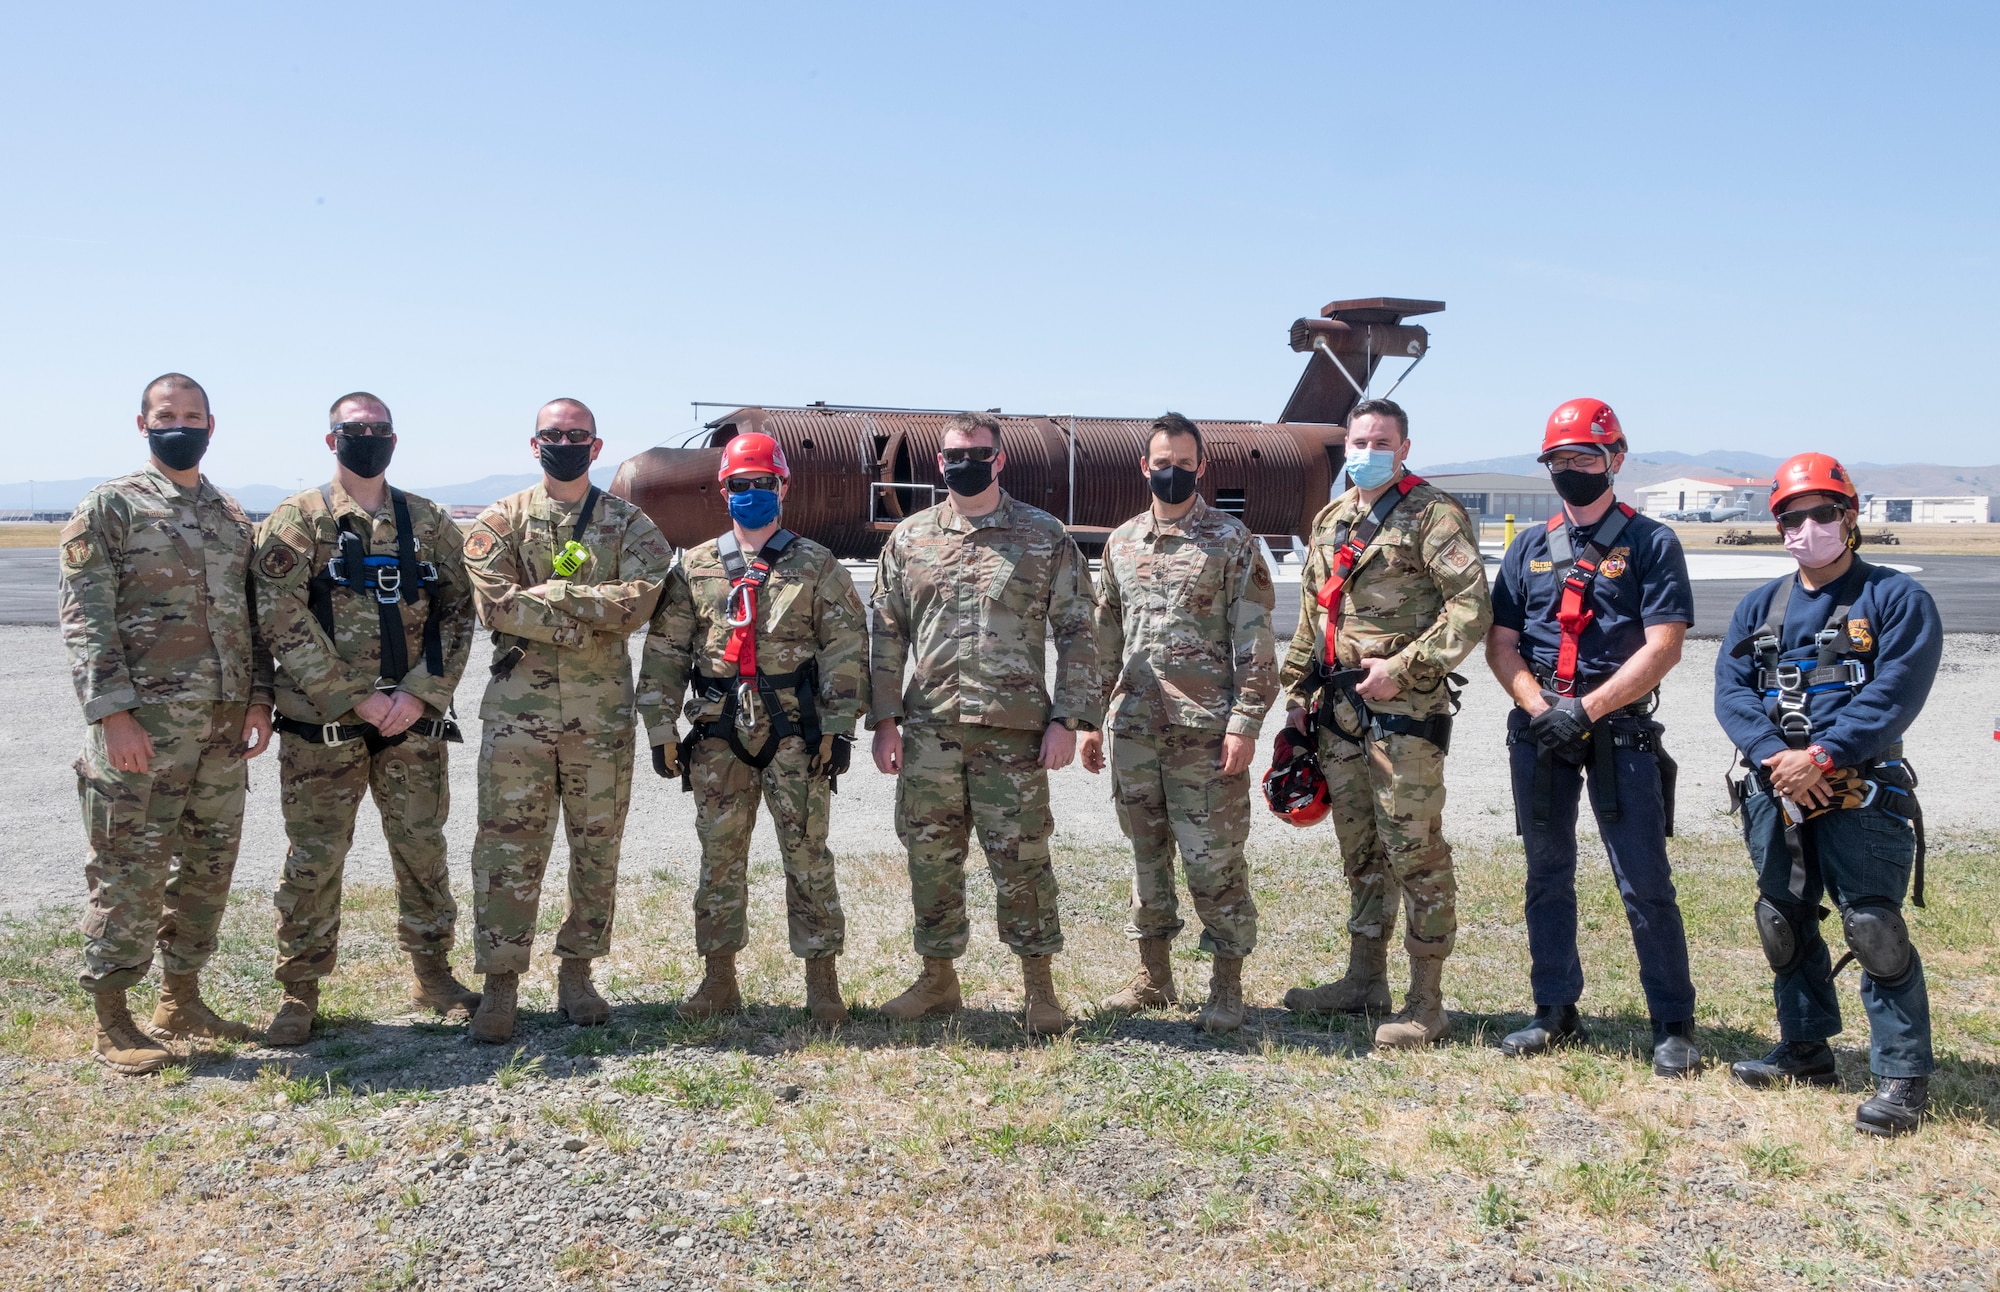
(1614, 564)
(1860, 634)
(479, 546)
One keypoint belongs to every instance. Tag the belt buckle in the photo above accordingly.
(336, 569)
(1857, 672)
(329, 733)
(1873, 792)
(1561, 687)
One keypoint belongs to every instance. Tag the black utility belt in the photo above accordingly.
(334, 733)
(1643, 707)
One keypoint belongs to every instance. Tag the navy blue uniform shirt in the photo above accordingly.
(1896, 632)
(1642, 582)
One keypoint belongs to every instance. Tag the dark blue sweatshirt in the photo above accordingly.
(1894, 626)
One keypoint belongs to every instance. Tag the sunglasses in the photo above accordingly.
(1825, 514)
(983, 453)
(575, 435)
(364, 429)
(744, 484)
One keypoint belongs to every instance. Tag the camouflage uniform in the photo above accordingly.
(1184, 616)
(974, 601)
(807, 612)
(320, 680)
(558, 724)
(1418, 598)
(155, 608)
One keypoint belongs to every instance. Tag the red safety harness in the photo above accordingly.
(746, 577)
(1349, 556)
(1574, 613)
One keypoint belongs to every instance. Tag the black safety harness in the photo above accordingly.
(1631, 727)
(393, 581)
(752, 688)
(1789, 686)
(1328, 683)
(504, 661)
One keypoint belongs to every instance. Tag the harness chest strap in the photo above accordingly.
(746, 579)
(393, 581)
(1574, 612)
(1349, 555)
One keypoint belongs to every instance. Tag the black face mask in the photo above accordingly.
(365, 455)
(565, 462)
(1171, 484)
(180, 447)
(1581, 488)
(968, 479)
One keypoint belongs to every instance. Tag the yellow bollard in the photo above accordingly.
(1509, 540)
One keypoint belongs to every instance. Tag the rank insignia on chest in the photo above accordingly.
(1540, 567)
(1860, 634)
(479, 546)
(1614, 564)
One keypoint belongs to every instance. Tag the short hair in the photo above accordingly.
(577, 404)
(167, 383)
(1172, 424)
(333, 409)
(1381, 408)
(967, 423)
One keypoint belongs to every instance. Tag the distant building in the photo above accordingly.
(1705, 493)
(1972, 510)
(1492, 496)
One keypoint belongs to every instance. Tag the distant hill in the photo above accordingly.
(64, 495)
(1907, 479)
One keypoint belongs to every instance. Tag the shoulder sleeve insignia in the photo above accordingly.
(1614, 564)
(1457, 556)
(1860, 634)
(1258, 574)
(76, 553)
(480, 545)
(278, 561)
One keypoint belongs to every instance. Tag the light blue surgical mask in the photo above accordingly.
(1371, 468)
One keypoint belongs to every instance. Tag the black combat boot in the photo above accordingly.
(1897, 1107)
(1674, 1051)
(1810, 1063)
(1554, 1025)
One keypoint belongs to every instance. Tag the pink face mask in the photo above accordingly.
(1814, 544)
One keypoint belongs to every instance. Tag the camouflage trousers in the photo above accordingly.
(528, 766)
(1170, 791)
(162, 843)
(1388, 810)
(322, 788)
(957, 777)
(726, 793)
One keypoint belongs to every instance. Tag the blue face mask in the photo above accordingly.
(754, 508)
(1371, 468)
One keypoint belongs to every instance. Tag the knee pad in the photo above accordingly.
(1788, 932)
(1879, 939)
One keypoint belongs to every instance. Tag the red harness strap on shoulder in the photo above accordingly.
(742, 618)
(1573, 614)
(1350, 553)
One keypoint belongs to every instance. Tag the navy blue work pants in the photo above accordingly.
(1849, 855)
(1637, 844)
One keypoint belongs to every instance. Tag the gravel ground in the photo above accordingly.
(42, 729)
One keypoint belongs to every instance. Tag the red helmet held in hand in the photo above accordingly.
(1583, 423)
(1295, 787)
(753, 454)
(1811, 473)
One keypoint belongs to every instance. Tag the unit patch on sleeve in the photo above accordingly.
(278, 562)
(480, 545)
(1860, 634)
(1457, 557)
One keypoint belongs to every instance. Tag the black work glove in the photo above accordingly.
(833, 757)
(667, 760)
(1563, 729)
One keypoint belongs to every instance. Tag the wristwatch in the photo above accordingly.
(1820, 758)
(1077, 724)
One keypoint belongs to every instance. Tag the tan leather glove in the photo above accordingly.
(667, 760)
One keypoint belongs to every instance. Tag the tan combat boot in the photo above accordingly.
(577, 996)
(120, 1045)
(934, 992)
(493, 1021)
(294, 1020)
(823, 992)
(183, 1013)
(1044, 1014)
(437, 988)
(1364, 990)
(718, 993)
(1422, 1020)
(1224, 1010)
(1153, 986)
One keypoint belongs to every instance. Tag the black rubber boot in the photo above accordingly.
(1810, 1063)
(1554, 1025)
(1674, 1050)
(1896, 1109)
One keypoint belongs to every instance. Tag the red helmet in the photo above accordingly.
(1295, 787)
(1811, 473)
(753, 454)
(1583, 423)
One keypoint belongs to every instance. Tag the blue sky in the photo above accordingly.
(1767, 227)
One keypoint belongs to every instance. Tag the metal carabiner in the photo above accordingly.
(746, 705)
(744, 596)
